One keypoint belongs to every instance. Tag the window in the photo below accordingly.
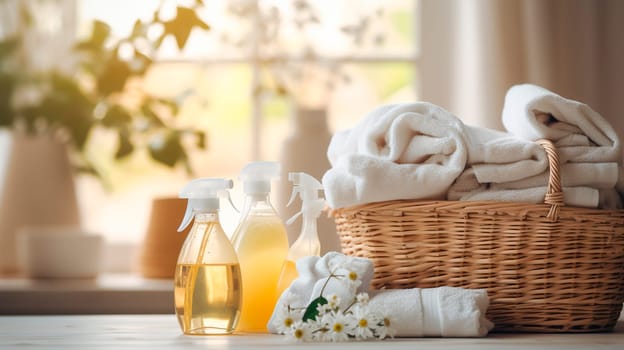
(221, 83)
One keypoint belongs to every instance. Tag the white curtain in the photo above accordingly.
(474, 50)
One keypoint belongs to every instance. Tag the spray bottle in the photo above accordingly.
(308, 243)
(261, 243)
(207, 282)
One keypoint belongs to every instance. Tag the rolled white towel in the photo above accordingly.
(402, 151)
(580, 133)
(435, 312)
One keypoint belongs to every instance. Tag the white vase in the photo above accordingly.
(38, 190)
(305, 150)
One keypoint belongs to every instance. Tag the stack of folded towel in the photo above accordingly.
(421, 151)
(443, 311)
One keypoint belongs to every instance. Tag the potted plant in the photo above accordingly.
(64, 109)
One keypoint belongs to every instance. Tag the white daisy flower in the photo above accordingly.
(364, 323)
(300, 331)
(362, 299)
(334, 301)
(385, 328)
(286, 318)
(340, 327)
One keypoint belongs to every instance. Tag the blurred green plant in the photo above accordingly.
(105, 91)
(302, 71)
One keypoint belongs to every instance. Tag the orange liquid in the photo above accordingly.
(261, 252)
(288, 275)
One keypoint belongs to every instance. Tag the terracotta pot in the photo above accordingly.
(161, 245)
(38, 190)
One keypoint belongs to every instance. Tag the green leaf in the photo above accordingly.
(171, 104)
(201, 139)
(180, 27)
(8, 46)
(114, 76)
(125, 147)
(100, 32)
(312, 310)
(151, 115)
(167, 150)
(117, 116)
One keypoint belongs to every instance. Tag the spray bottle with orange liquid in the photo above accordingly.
(261, 243)
(207, 282)
(308, 243)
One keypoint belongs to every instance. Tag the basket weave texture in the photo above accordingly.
(546, 267)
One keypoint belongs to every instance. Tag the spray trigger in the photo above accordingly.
(293, 218)
(296, 190)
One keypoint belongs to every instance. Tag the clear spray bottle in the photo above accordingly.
(207, 282)
(261, 243)
(308, 243)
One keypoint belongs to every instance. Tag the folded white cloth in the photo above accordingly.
(444, 311)
(588, 148)
(584, 185)
(419, 151)
(416, 151)
(435, 312)
(401, 151)
(579, 132)
(313, 273)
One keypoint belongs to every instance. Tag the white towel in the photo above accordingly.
(579, 132)
(313, 272)
(584, 185)
(435, 312)
(444, 311)
(416, 151)
(588, 148)
(401, 151)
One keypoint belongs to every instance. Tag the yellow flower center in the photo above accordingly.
(353, 276)
(363, 323)
(338, 327)
(298, 333)
(288, 322)
(386, 322)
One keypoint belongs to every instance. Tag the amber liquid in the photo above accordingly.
(207, 297)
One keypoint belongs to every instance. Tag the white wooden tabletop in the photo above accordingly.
(162, 332)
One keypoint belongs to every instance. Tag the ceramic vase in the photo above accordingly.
(305, 150)
(38, 190)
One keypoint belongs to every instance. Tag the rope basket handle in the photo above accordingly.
(554, 194)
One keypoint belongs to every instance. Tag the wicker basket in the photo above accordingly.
(546, 267)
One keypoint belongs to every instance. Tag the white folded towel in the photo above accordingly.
(401, 151)
(416, 151)
(444, 311)
(580, 133)
(435, 312)
(313, 273)
(584, 185)
(419, 150)
(588, 148)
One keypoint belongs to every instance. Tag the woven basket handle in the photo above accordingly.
(554, 194)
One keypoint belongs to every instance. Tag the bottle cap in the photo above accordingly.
(256, 177)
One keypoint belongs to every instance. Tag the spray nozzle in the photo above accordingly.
(256, 176)
(308, 189)
(305, 185)
(203, 195)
